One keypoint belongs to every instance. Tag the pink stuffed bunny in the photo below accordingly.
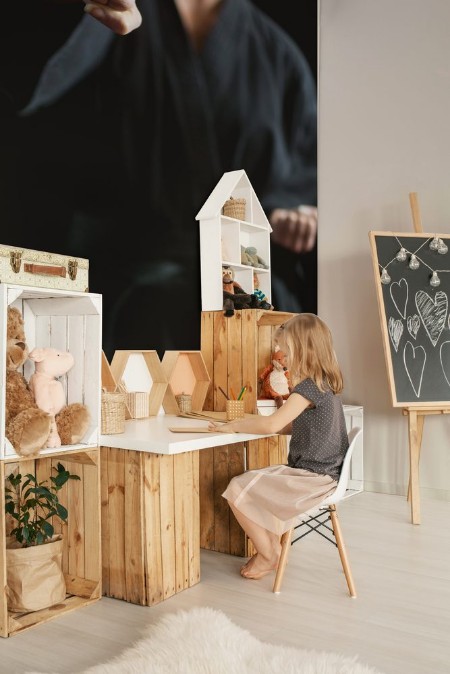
(69, 422)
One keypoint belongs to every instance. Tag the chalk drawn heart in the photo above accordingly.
(413, 323)
(414, 360)
(399, 295)
(444, 354)
(432, 313)
(395, 331)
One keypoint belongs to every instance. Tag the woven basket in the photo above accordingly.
(235, 208)
(138, 404)
(184, 402)
(112, 412)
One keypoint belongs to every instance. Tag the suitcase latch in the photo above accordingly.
(72, 268)
(15, 259)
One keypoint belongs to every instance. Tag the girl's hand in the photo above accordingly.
(221, 428)
(120, 16)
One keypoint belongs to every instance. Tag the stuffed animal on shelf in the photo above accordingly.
(26, 426)
(234, 296)
(69, 423)
(274, 379)
(265, 304)
(254, 258)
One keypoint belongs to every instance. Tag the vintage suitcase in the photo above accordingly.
(21, 266)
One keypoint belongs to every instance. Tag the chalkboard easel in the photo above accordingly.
(413, 289)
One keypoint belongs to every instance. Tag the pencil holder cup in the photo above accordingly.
(235, 409)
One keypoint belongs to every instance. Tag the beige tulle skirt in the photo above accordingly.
(275, 496)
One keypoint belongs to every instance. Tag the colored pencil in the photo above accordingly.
(241, 394)
(233, 394)
(223, 392)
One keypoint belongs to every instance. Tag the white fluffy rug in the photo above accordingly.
(205, 641)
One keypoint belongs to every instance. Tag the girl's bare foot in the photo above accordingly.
(247, 563)
(259, 567)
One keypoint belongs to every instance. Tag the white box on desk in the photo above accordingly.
(65, 320)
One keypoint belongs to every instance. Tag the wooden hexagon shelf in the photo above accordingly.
(141, 371)
(186, 373)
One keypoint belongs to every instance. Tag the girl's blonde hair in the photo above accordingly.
(308, 344)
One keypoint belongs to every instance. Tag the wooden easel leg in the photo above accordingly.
(414, 449)
(420, 423)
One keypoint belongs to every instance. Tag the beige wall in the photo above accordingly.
(384, 132)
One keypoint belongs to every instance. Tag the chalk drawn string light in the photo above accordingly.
(435, 244)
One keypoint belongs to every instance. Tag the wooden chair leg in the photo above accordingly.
(342, 551)
(285, 545)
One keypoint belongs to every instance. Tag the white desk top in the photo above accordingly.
(152, 435)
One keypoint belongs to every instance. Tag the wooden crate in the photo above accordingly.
(150, 524)
(70, 321)
(81, 535)
(235, 351)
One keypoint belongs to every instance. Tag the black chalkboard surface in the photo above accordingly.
(412, 277)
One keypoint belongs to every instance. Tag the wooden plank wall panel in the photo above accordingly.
(104, 496)
(249, 359)
(116, 524)
(207, 350)
(182, 467)
(167, 525)
(220, 359)
(3, 600)
(233, 358)
(152, 530)
(236, 466)
(221, 508)
(75, 529)
(195, 564)
(133, 535)
(92, 526)
(206, 490)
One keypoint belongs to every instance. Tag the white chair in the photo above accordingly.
(317, 519)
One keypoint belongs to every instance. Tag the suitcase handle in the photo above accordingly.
(44, 269)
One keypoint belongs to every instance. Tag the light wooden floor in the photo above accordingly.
(399, 623)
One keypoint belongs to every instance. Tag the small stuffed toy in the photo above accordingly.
(26, 426)
(255, 259)
(69, 422)
(265, 304)
(275, 382)
(234, 296)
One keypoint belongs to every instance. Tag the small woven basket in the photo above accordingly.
(234, 208)
(112, 412)
(138, 404)
(184, 402)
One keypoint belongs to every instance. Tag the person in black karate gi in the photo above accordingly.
(115, 130)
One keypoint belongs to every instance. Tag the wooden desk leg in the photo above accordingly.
(420, 423)
(414, 449)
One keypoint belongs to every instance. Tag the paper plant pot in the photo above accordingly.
(34, 576)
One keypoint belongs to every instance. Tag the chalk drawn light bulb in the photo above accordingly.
(435, 280)
(401, 255)
(442, 247)
(414, 262)
(385, 278)
(434, 243)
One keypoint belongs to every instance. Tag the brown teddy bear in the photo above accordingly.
(26, 426)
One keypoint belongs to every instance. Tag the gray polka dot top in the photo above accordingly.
(319, 436)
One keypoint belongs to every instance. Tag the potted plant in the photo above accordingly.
(34, 556)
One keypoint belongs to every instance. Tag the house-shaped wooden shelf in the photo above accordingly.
(186, 373)
(223, 238)
(141, 371)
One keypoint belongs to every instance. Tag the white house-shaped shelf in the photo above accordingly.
(223, 238)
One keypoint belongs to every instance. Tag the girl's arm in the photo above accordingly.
(281, 420)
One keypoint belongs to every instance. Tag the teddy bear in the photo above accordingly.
(234, 296)
(255, 259)
(274, 379)
(69, 423)
(26, 426)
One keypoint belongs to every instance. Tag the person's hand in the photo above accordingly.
(295, 228)
(121, 16)
(220, 428)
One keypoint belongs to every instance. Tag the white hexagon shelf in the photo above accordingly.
(186, 373)
(141, 371)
